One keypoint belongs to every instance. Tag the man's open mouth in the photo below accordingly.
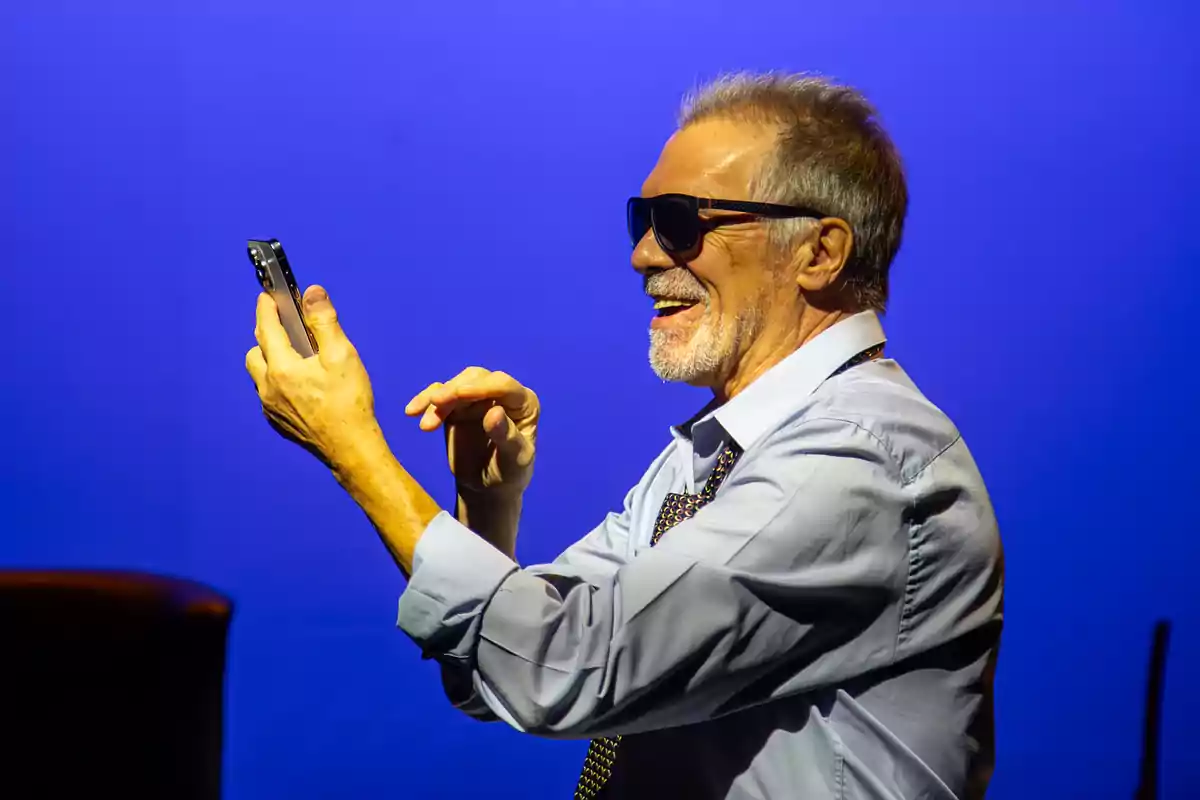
(667, 308)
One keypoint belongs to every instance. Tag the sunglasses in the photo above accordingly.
(678, 226)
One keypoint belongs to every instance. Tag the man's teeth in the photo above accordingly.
(659, 305)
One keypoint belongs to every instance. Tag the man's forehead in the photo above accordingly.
(712, 158)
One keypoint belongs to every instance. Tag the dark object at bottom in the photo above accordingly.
(111, 685)
(1152, 720)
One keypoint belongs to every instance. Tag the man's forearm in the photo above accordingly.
(494, 518)
(398, 506)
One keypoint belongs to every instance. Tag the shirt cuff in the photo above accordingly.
(455, 573)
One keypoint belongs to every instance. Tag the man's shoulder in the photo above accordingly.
(881, 400)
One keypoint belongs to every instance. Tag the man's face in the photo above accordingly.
(729, 284)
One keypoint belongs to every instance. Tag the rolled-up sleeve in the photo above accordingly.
(793, 578)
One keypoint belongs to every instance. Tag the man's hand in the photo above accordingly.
(323, 403)
(491, 429)
(491, 433)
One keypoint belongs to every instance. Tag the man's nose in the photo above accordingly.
(649, 256)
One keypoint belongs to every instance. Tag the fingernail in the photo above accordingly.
(315, 295)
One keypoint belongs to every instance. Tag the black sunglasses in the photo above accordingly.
(678, 226)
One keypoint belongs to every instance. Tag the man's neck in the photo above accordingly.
(768, 350)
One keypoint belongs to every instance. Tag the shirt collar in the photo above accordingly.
(768, 400)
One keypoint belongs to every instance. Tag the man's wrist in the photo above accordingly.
(495, 497)
(492, 514)
(358, 455)
(395, 503)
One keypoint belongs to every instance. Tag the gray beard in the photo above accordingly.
(706, 353)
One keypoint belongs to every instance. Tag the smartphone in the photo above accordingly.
(275, 276)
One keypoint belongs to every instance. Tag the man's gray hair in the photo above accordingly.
(831, 154)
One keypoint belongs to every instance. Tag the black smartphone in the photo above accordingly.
(275, 276)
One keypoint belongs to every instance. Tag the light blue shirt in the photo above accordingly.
(826, 627)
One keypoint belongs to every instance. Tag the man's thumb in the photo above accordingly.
(504, 434)
(320, 315)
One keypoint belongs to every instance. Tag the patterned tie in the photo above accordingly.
(602, 753)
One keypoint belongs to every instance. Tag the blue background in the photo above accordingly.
(455, 175)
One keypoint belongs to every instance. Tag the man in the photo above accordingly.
(801, 598)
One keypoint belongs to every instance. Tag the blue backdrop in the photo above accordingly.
(455, 175)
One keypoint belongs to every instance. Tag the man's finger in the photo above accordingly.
(321, 318)
(256, 365)
(472, 386)
(517, 400)
(448, 389)
(421, 400)
(435, 414)
(504, 434)
(430, 419)
(269, 332)
(437, 400)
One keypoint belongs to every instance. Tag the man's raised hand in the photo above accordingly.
(491, 430)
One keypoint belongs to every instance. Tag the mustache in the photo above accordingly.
(677, 284)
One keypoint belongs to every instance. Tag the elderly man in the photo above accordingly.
(801, 597)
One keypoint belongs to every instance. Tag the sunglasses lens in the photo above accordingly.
(675, 224)
(637, 219)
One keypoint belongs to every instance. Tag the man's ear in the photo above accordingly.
(820, 260)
